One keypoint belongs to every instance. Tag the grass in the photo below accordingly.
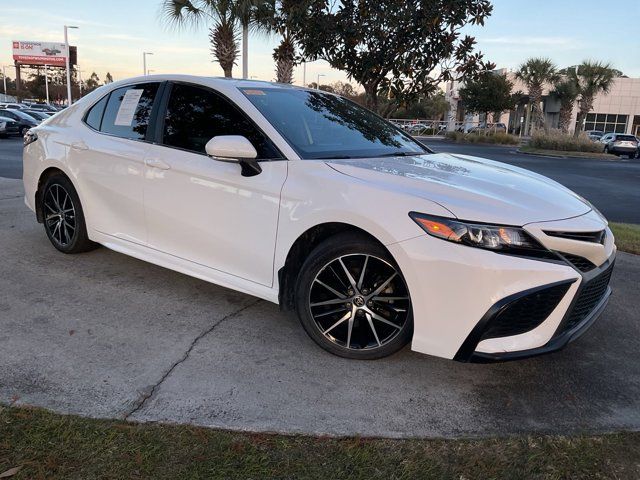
(565, 153)
(50, 446)
(556, 140)
(498, 138)
(627, 236)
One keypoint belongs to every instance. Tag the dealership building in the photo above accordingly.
(616, 111)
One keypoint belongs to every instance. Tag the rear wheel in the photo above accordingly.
(352, 299)
(63, 216)
(23, 130)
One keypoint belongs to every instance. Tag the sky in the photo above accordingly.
(113, 34)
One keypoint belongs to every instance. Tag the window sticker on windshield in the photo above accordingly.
(128, 107)
(254, 92)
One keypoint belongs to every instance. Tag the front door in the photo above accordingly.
(203, 210)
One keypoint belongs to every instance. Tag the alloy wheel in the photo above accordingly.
(359, 302)
(59, 215)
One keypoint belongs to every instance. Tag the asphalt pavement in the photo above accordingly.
(104, 335)
(613, 186)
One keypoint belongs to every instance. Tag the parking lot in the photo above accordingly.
(105, 335)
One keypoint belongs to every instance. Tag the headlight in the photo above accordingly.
(499, 238)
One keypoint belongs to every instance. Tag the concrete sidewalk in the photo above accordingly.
(104, 335)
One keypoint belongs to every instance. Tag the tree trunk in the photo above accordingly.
(586, 105)
(566, 109)
(285, 57)
(224, 47)
(371, 96)
(536, 99)
(245, 51)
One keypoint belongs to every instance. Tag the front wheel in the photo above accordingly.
(352, 299)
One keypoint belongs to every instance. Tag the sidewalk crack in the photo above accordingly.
(147, 395)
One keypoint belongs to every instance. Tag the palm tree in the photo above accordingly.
(280, 17)
(591, 78)
(566, 92)
(535, 72)
(222, 34)
(246, 11)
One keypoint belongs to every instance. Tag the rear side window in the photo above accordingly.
(128, 111)
(195, 115)
(94, 115)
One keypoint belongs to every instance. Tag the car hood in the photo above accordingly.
(471, 188)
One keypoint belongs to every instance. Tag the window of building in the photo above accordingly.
(128, 111)
(195, 115)
(606, 122)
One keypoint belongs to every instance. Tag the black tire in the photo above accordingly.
(23, 130)
(380, 318)
(606, 149)
(63, 217)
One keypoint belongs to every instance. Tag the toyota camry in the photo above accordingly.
(306, 199)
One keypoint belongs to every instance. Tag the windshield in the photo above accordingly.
(318, 125)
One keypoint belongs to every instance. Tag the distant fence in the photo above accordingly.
(431, 128)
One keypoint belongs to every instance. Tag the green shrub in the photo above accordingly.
(497, 138)
(557, 140)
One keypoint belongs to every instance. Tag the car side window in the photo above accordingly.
(128, 111)
(195, 115)
(94, 115)
(8, 114)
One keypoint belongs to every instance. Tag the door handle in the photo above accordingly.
(79, 146)
(157, 163)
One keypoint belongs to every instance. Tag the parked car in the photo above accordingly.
(8, 127)
(620, 144)
(25, 121)
(43, 107)
(38, 115)
(339, 216)
(490, 128)
(594, 135)
(12, 106)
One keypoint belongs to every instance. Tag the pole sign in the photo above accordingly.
(39, 53)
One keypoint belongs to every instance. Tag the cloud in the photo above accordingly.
(524, 41)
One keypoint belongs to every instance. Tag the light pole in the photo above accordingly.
(46, 82)
(66, 42)
(4, 77)
(144, 62)
(318, 83)
(304, 73)
(79, 79)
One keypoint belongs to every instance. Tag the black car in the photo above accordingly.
(38, 115)
(25, 121)
(8, 127)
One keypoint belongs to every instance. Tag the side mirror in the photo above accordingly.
(234, 148)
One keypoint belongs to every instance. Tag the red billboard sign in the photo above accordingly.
(39, 53)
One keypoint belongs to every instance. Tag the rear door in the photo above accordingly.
(203, 210)
(109, 157)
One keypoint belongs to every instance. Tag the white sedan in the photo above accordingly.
(306, 199)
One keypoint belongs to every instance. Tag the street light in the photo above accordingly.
(318, 83)
(66, 42)
(4, 77)
(144, 62)
(46, 82)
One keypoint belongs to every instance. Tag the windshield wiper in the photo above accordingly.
(401, 154)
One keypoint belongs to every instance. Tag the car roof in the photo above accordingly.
(221, 83)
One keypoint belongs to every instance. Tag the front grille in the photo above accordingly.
(593, 237)
(589, 296)
(525, 313)
(580, 263)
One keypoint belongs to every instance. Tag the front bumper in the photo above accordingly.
(569, 329)
(456, 291)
